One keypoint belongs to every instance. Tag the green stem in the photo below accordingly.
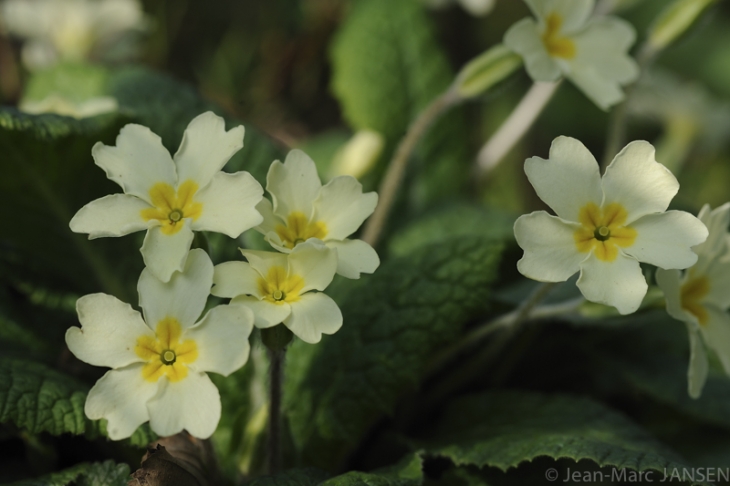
(509, 323)
(276, 364)
(396, 169)
(499, 323)
(616, 135)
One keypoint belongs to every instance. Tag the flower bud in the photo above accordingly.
(486, 70)
(358, 155)
(674, 21)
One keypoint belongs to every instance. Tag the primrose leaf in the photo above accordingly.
(39, 399)
(454, 220)
(503, 429)
(105, 473)
(394, 322)
(293, 477)
(407, 472)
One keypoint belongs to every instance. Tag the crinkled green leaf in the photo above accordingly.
(394, 322)
(407, 472)
(39, 399)
(387, 67)
(450, 222)
(293, 477)
(506, 428)
(105, 473)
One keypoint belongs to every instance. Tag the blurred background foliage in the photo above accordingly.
(312, 74)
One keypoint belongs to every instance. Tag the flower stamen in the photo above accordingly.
(165, 353)
(171, 207)
(280, 287)
(602, 230)
(299, 229)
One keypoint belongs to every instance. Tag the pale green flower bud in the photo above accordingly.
(674, 21)
(486, 70)
(358, 155)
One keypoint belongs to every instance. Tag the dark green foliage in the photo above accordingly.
(502, 429)
(394, 321)
(39, 399)
(106, 473)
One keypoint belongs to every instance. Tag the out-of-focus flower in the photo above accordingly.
(303, 208)
(691, 116)
(564, 41)
(604, 226)
(279, 287)
(61, 106)
(159, 363)
(700, 297)
(71, 30)
(171, 199)
(477, 8)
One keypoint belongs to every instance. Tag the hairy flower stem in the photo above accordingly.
(509, 323)
(276, 364)
(397, 167)
(527, 311)
(515, 126)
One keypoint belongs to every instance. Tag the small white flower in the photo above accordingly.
(278, 287)
(592, 53)
(159, 363)
(700, 298)
(69, 29)
(303, 209)
(170, 198)
(604, 226)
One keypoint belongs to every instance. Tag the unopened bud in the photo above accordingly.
(486, 70)
(358, 155)
(674, 21)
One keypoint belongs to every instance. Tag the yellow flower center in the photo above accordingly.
(692, 293)
(602, 230)
(299, 229)
(164, 353)
(557, 45)
(278, 287)
(171, 207)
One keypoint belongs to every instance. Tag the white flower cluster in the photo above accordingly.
(159, 359)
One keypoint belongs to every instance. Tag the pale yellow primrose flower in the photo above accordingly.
(303, 209)
(278, 288)
(591, 52)
(171, 199)
(604, 226)
(159, 363)
(68, 29)
(700, 297)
